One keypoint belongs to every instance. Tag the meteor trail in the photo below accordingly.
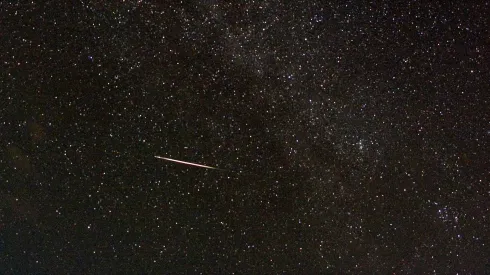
(185, 162)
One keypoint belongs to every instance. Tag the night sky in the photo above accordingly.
(351, 137)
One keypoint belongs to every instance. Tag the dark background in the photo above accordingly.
(354, 137)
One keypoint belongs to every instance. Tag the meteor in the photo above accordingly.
(187, 163)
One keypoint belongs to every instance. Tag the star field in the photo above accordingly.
(353, 137)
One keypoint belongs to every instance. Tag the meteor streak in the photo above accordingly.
(185, 162)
